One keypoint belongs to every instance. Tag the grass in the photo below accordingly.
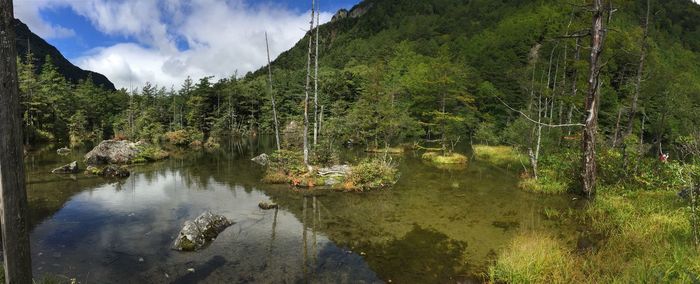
(644, 237)
(150, 153)
(533, 258)
(453, 158)
(501, 156)
(388, 150)
(370, 175)
(543, 185)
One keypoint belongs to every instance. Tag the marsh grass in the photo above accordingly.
(543, 185)
(646, 237)
(450, 159)
(500, 156)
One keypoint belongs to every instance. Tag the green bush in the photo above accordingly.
(371, 174)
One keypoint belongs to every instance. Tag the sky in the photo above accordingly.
(164, 41)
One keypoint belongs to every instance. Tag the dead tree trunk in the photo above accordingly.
(308, 86)
(588, 174)
(15, 230)
(318, 25)
(574, 80)
(272, 95)
(640, 73)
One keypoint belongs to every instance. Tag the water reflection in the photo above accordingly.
(435, 225)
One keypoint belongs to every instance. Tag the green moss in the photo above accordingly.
(186, 244)
(453, 158)
(501, 156)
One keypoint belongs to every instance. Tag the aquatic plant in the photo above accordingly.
(452, 158)
(501, 156)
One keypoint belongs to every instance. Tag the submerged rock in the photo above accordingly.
(71, 168)
(63, 151)
(196, 234)
(262, 160)
(110, 171)
(112, 152)
(267, 206)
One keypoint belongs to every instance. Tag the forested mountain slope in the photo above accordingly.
(27, 40)
(493, 49)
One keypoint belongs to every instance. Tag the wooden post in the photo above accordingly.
(272, 95)
(590, 130)
(15, 229)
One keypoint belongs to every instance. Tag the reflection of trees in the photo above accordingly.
(421, 256)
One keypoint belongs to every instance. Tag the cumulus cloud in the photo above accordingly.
(221, 37)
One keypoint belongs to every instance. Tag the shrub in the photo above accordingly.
(178, 138)
(150, 153)
(371, 174)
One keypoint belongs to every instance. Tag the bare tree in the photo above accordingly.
(318, 26)
(590, 129)
(640, 72)
(272, 94)
(308, 87)
(15, 231)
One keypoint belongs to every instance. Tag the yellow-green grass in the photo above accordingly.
(501, 156)
(543, 185)
(452, 158)
(643, 237)
(389, 150)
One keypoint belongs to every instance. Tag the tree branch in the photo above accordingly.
(537, 122)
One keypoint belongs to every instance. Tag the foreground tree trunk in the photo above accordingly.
(15, 236)
(272, 95)
(588, 174)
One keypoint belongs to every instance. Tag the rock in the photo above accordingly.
(337, 170)
(262, 160)
(71, 168)
(110, 171)
(63, 151)
(196, 234)
(341, 14)
(112, 152)
(267, 206)
(360, 10)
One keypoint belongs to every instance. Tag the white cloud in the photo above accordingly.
(223, 36)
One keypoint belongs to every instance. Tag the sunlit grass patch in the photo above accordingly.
(533, 258)
(501, 156)
(542, 185)
(452, 158)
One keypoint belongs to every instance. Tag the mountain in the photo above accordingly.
(506, 47)
(26, 39)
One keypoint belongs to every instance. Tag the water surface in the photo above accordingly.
(434, 226)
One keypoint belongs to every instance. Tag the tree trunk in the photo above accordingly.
(272, 95)
(308, 87)
(15, 230)
(640, 72)
(588, 174)
(574, 80)
(316, 80)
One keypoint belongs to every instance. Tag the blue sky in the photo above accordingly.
(164, 41)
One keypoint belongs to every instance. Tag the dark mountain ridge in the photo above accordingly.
(27, 40)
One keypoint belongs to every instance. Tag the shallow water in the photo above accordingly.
(434, 226)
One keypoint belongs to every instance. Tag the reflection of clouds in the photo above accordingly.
(105, 231)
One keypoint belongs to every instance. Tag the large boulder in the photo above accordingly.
(112, 152)
(197, 234)
(262, 160)
(71, 168)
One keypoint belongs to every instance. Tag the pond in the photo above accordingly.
(434, 226)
